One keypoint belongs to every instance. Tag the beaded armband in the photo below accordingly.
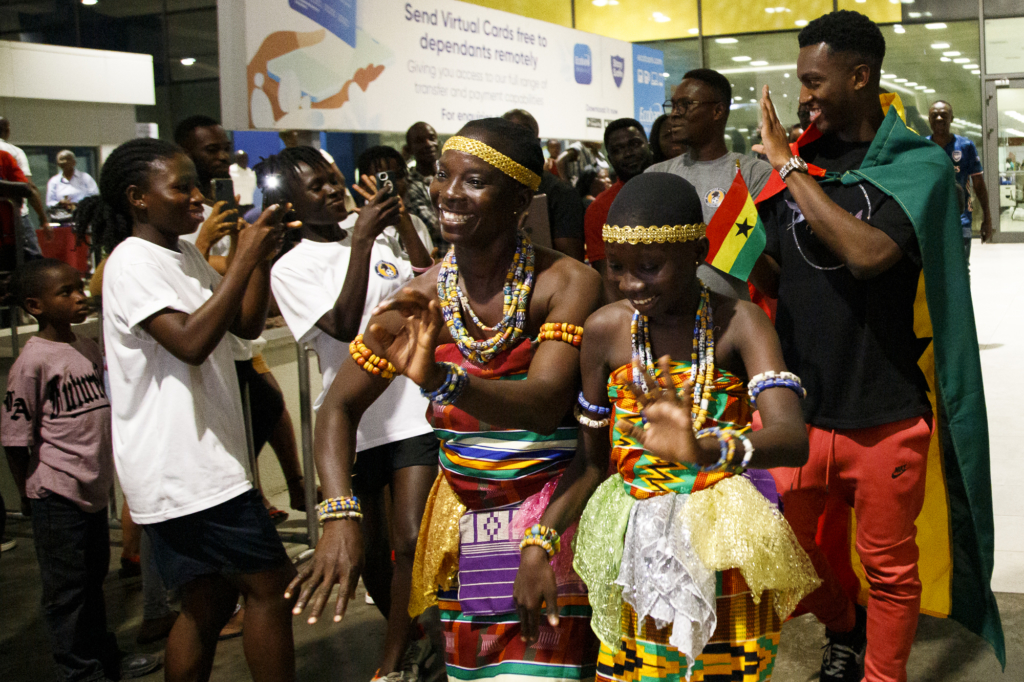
(451, 388)
(561, 331)
(339, 508)
(775, 380)
(590, 407)
(544, 537)
(373, 364)
(587, 421)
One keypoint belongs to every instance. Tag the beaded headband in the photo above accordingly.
(513, 169)
(653, 234)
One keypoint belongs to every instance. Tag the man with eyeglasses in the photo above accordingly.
(697, 115)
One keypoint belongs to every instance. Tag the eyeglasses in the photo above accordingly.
(682, 106)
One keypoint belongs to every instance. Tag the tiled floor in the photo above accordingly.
(997, 285)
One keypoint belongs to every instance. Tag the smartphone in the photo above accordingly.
(274, 194)
(224, 190)
(388, 180)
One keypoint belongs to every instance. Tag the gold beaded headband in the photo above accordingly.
(513, 169)
(653, 234)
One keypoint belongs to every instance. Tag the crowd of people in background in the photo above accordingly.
(517, 431)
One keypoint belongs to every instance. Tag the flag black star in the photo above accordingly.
(745, 227)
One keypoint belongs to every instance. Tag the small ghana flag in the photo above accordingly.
(736, 233)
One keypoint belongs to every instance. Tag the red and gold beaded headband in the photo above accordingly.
(653, 234)
(509, 167)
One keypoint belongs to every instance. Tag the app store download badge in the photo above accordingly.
(582, 63)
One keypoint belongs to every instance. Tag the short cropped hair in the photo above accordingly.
(718, 83)
(183, 131)
(848, 31)
(621, 124)
(378, 153)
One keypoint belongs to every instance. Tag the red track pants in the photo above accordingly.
(880, 473)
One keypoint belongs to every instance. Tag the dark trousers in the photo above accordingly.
(73, 548)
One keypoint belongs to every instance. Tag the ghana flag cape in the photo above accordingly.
(955, 528)
(736, 234)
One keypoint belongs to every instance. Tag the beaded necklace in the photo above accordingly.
(518, 284)
(702, 359)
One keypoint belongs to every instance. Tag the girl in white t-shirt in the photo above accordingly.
(326, 287)
(178, 434)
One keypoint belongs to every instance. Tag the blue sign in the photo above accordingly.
(648, 85)
(618, 70)
(582, 63)
(337, 16)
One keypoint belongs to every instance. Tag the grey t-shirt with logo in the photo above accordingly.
(712, 179)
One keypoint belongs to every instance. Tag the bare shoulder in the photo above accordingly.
(425, 283)
(606, 322)
(567, 275)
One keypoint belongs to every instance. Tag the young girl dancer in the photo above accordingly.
(178, 435)
(690, 569)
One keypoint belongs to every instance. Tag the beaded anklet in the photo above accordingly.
(544, 537)
(587, 421)
(451, 388)
(561, 331)
(371, 363)
(772, 379)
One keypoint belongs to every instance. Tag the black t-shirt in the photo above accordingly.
(565, 207)
(850, 341)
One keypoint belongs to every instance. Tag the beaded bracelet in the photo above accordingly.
(587, 421)
(748, 450)
(590, 407)
(544, 537)
(338, 516)
(561, 331)
(727, 449)
(338, 505)
(773, 379)
(451, 388)
(373, 364)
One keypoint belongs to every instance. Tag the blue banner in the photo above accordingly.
(337, 16)
(648, 85)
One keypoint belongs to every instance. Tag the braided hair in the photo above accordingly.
(277, 174)
(105, 220)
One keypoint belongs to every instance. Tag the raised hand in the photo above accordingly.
(338, 560)
(411, 349)
(535, 587)
(774, 135)
(220, 224)
(262, 240)
(666, 429)
(377, 213)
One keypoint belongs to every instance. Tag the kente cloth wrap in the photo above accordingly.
(666, 552)
(500, 481)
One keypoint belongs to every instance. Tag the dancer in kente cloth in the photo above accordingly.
(690, 569)
(491, 335)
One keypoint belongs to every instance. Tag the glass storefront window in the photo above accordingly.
(680, 57)
(722, 17)
(878, 11)
(639, 20)
(1004, 50)
(1010, 116)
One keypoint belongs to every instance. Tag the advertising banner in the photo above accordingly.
(358, 65)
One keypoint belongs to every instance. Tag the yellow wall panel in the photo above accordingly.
(878, 11)
(638, 20)
(554, 11)
(722, 17)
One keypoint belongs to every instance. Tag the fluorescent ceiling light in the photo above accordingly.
(801, 22)
(914, 15)
(898, 29)
(188, 61)
(744, 130)
(693, 31)
(945, 59)
(935, 26)
(741, 58)
(888, 75)
(89, 2)
(961, 60)
(599, 3)
(785, 75)
(785, 94)
(726, 41)
(921, 87)
(759, 62)
(940, 46)
(929, 91)
(970, 66)
(758, 69)
(753, 101)
(910, 84)
(660, 18)
(900, 80)
(976, 72)
(951, 53)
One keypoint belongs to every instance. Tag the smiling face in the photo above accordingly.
(831, 83)
(940, 117)
(61, 299)
(210, 149)
(475, 201)
(317, 195)
(629, 153)
(422, 140)
(656, 279)
(171, 201)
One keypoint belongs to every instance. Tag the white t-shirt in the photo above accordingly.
(178, 431)
(306, 282)
(421, 230)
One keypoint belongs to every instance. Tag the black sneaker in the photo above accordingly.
(843, 660)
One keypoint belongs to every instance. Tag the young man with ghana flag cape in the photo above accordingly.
(875, 315)
(491, 336)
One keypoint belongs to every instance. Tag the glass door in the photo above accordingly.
(1004, 168)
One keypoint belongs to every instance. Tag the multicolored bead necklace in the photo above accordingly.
(702, 359)
(518, 284)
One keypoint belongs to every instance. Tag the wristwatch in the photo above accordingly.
(794, 164)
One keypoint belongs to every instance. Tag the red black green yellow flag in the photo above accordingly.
(736, 233)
